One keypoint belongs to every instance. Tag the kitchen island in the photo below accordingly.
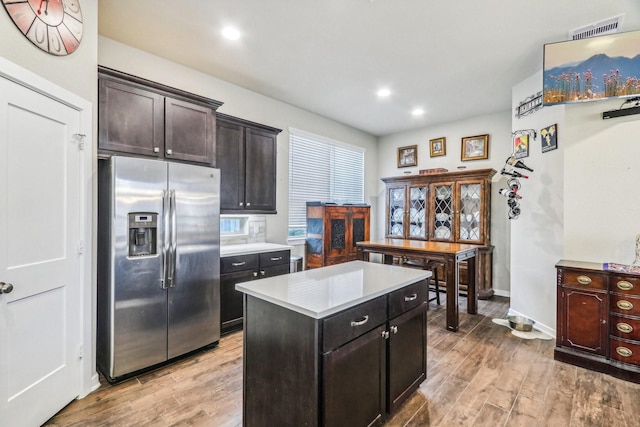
(337, 345)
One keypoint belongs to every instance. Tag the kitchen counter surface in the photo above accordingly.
(252, 248)
(320, 292)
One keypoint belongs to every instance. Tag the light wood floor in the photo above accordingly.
(481, 375)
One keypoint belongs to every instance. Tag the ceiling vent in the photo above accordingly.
(606, 26)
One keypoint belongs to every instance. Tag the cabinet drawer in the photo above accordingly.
(231, 264)
(625, 285)
(407, 298)
(274, 258)
(624, 351)
(625, 305)
(583, 279)
(625, 328)
(351, 323)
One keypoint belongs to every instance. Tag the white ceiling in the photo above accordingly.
(455, 59)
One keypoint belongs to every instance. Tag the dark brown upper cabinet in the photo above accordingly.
(144, 118)
(246, 156)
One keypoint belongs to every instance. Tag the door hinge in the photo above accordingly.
(81, 247)
(79, 137)
(80, 352)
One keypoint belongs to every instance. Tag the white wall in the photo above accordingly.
(498, 127)
(248, 105)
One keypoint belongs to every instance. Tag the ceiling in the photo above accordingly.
(454, 59)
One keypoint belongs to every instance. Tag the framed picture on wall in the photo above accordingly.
(549, 138)
(408, 156)
(475, 147)
(521, 146)
(438, 147)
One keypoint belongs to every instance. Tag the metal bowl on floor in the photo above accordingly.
(520, 323)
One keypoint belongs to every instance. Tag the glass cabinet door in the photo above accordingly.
(418, 212)
(443, 212)
(470, 211)
(396, 214)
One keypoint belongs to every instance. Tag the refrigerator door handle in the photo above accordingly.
(173, 242)
(165, 238)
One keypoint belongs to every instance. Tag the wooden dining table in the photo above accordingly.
(449, 254)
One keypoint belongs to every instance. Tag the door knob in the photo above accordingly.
(5, 288)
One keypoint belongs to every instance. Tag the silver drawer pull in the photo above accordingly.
(238, 264)
(624, 285)
(624, 351)
(411, 297)
(276, 259)
(360, 321)
(624, 327)
(624, 305)
(584, 280)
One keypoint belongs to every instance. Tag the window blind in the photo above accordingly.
(321, 170)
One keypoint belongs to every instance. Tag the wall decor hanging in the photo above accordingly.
(408, 156)
(511, 193)
(438, 147)
(549, 138)
(55, 26)
(521, 141)
(475, 147)
(530, 105)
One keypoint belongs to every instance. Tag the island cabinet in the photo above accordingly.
(598, 318)
(246, 156)
(333, 231)
(333, 346)
(241, 268)
(143, 118)
(450, 207)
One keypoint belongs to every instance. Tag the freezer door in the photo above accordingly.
(137, 309)
(194, 291)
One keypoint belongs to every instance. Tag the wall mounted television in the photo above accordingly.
(592, 69)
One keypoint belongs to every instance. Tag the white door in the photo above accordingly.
(40, 235)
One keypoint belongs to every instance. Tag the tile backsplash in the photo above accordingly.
(257, 232)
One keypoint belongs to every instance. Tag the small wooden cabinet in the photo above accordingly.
(445, 207)
(243, 268)
(246, 156)
(598, 319)
(332, 232)
(143, 118)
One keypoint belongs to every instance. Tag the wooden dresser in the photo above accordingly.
(598, 319)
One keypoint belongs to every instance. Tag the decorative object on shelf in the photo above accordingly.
(622, 268)
(521, 142)
(438, 147)
(432, 171)
(475, 147)
(530, 105)
(408, 156)
(513, 183)
(549, 138)
(636, 261)
(53, 26)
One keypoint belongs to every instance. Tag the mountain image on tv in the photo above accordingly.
(592, 69)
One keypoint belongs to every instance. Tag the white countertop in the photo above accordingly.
(323, 291)
(251, 248)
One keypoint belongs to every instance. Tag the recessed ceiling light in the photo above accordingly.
(417, 112)
(383, 93)
(231, 33)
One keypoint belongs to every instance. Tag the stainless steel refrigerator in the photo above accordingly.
(158, 262)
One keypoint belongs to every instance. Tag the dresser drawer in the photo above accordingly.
(625, 285)
(235, 263)
(269, 259)
(582, 279)
(353, 322)
(624, 327)
(625, 305)
(407, 298)
(624, 351)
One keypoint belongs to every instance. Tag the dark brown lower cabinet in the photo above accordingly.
(352, 368)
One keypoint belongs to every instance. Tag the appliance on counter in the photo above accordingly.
(158, 262)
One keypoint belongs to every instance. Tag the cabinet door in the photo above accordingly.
(131, 119)
(360, 218)
(354, 382)
(470, 224)
(396, 219)
(336, 223)
(190, 132)
(444, 216)
(230, 161)
(584, 323)
(231, 309)
(260, 170)
(276, 270)
(417, 212)
(407, 355)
